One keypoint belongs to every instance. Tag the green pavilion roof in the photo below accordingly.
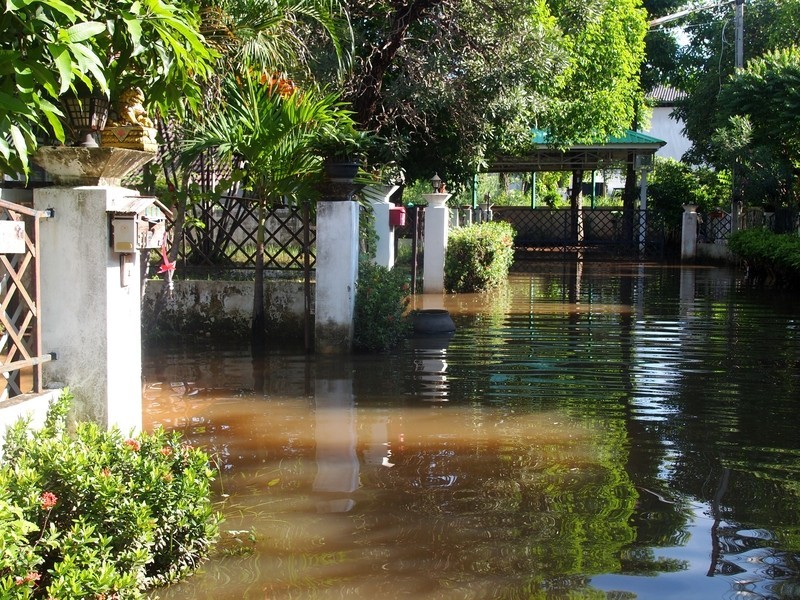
(613, 152)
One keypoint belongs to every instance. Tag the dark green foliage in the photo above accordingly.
(674, 184)
(381, 301)
(770, 257)
(478, 257)
(91, 513)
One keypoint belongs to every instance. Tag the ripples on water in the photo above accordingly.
(591, 427)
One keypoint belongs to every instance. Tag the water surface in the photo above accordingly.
(594, 430)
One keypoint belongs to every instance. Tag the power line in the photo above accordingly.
(688, 11)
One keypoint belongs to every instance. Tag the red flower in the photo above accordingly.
(132, 444)
(29, 578)
(48, 500)
(166, 451)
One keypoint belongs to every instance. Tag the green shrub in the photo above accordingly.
(674, 184)
(769, 257)
(478, 257)
(90, 513)
(380, 322)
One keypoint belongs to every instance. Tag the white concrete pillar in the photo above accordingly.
(436, 226)
(336, 275)
(689, 232)
(378, 197)
(91, 311)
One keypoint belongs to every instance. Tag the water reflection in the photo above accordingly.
(335, 439)
(602, 423)
(429, 353)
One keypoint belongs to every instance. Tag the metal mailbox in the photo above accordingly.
(397, 216)
(138, 225)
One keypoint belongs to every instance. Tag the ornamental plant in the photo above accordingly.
(50, 46)
(380, 321)
(478, 257)
(95, 514)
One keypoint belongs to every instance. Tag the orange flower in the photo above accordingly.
(48, 500)
(132, 444)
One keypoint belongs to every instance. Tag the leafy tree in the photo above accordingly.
(49, 46)
(674, 184)
(444, 84)
(708, 63)
(760, 106)
(452, 87)
(595, 96)
(598, 95)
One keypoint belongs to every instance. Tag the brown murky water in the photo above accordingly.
(594, 430)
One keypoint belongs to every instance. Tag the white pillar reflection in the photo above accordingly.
(335, 435)
(377, 449)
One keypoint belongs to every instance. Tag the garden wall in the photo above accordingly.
(223, 308)
(28, 406)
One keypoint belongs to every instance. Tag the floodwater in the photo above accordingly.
(594, 430)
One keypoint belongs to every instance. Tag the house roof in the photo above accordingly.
(612, 152)
(664, 95)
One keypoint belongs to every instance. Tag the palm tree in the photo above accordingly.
(259, 35)
(271, 133)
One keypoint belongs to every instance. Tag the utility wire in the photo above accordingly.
(688, 11)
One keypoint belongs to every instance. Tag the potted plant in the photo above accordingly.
(109, 47)
(342, 148)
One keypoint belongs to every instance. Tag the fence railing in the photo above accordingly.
(616, 230)
(715, 226)
(222, 235)
(20, 304)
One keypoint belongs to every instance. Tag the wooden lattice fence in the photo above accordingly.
(20, 340)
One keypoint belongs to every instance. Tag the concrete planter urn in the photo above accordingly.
(340, 170)
(433, 321)
(77, 165)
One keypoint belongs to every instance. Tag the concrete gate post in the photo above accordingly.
(90, 296)
(336, 268)
(689, 233)
(378, 197)
(436, 226)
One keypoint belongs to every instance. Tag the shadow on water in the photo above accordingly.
(591, 430)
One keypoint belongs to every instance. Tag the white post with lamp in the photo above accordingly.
(436, 227)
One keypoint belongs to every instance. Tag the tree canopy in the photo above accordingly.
(707, 63)
(759, 124)
(450, 87)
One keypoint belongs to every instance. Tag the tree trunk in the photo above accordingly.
(258, 331)
(368, 89)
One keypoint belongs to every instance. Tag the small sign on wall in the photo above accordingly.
(12, 237)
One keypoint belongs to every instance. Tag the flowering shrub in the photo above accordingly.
(380, 323)
(478, 257)
(92, 514)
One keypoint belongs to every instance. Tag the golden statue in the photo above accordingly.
(130, 109)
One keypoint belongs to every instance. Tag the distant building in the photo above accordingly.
(663, 126)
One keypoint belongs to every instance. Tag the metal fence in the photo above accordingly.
(223, 235)
(603, 230)
(715, 226)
